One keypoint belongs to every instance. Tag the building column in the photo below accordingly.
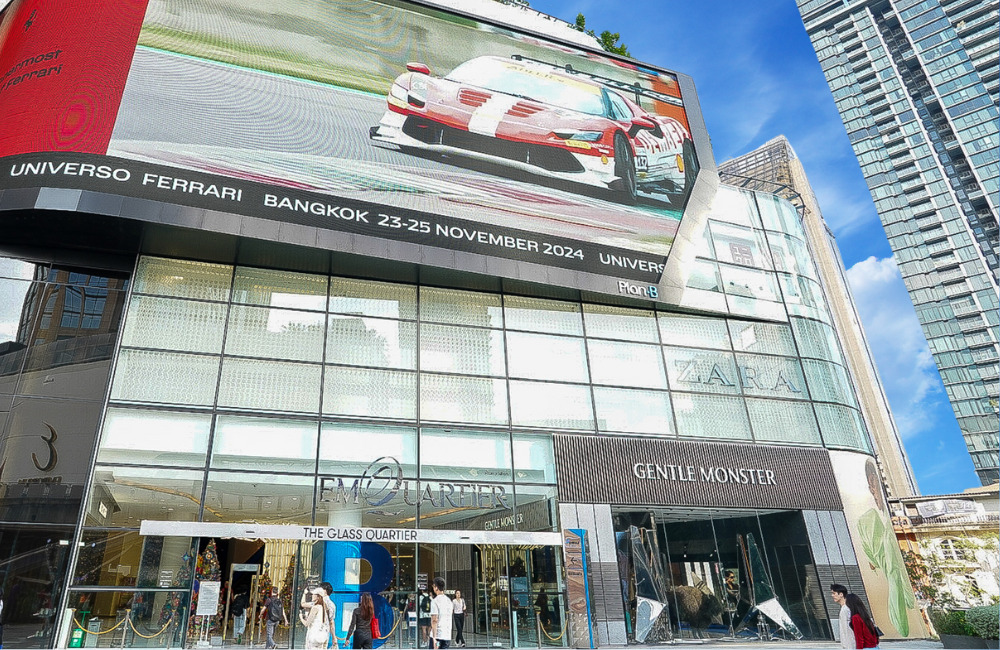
(605, 587)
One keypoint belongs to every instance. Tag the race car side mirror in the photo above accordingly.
(644, 122)
(422, 68)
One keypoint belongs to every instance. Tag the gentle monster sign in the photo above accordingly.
(690, 473)
(657, 471)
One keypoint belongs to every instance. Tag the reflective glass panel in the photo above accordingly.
(756, 308)
(353, 449)
(771, 376)
(17, 316)
(790, 255)
(537, 510)
(183, 278)
(841, 427)
(378, 342)
(815, 339)
(534, 460)
(165, 377)
(259, 498)
(125, 496)
(560, 406)
(539, 315)
(264, 443)
(370, 393)
(539, 356)
(286, 289)
(445, 398)
(620, 323)
(109, 558)
(694, 331)
(170, 324)
(749, 283)
(704, 276)
(804, 296)
(370, 298)
(18, 269)
(778, 214)
(829, 382)
(634, 411)
(767, 338)
(707, 371)
(465, 455)
(626, 364)
(465, 505)
(270, 385)
(731, 205)
(460, 307)
(710, 416)
(154, 438)
(463, 350)
(275, 333)
(783, 421)
(738, 245)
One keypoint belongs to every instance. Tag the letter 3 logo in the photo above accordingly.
(53, 455)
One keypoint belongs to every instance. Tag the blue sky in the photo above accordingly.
(758, 77)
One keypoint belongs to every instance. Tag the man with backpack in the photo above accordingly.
(275, 613)
(239, 609)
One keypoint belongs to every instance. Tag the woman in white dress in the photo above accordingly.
(316, 622)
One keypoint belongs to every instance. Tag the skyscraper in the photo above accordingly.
(916, 86)
(775, 167)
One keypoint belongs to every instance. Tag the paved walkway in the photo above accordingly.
(785, 645)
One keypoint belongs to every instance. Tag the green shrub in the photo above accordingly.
(985, 621)
(952, 622)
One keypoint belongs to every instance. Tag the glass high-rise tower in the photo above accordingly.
(916, 82)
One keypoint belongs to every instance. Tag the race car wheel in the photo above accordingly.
(625, 187)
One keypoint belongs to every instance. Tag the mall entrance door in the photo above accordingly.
(690, 573)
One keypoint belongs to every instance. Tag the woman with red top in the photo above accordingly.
(861, 623)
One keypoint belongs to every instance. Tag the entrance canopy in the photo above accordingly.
(347, 534)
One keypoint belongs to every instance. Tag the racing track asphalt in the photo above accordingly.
(190, 112)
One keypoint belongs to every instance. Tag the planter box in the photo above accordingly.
(961, 641)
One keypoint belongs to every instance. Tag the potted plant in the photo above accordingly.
(974, 628)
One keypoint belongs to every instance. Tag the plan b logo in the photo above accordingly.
(642, 291)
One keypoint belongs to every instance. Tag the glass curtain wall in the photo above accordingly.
(58, 328)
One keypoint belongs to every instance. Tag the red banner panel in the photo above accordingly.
(63, 66)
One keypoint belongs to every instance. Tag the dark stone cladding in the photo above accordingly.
(600, 469)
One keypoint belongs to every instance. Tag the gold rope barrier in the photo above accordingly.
(162, 630)
(541, 627)
(394, 626)
(108, 631)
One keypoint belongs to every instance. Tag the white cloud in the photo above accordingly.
(904, 361)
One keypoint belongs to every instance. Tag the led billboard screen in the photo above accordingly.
(371, 118)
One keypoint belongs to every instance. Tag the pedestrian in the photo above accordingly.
(308, 600)
(865, 632)
(839, 594)
(441, 616)
(542, 605)
(315, 620)
(458, 607)
(361, 623)
(273, 612)
(424, 614)
(238, 606)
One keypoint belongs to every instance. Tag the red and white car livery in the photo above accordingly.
(543, 119)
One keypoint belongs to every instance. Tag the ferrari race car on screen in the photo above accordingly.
(547, 120)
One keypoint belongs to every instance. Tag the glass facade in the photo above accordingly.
(916, 84)
(237, 394)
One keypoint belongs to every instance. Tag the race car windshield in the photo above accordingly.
(530, 83)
